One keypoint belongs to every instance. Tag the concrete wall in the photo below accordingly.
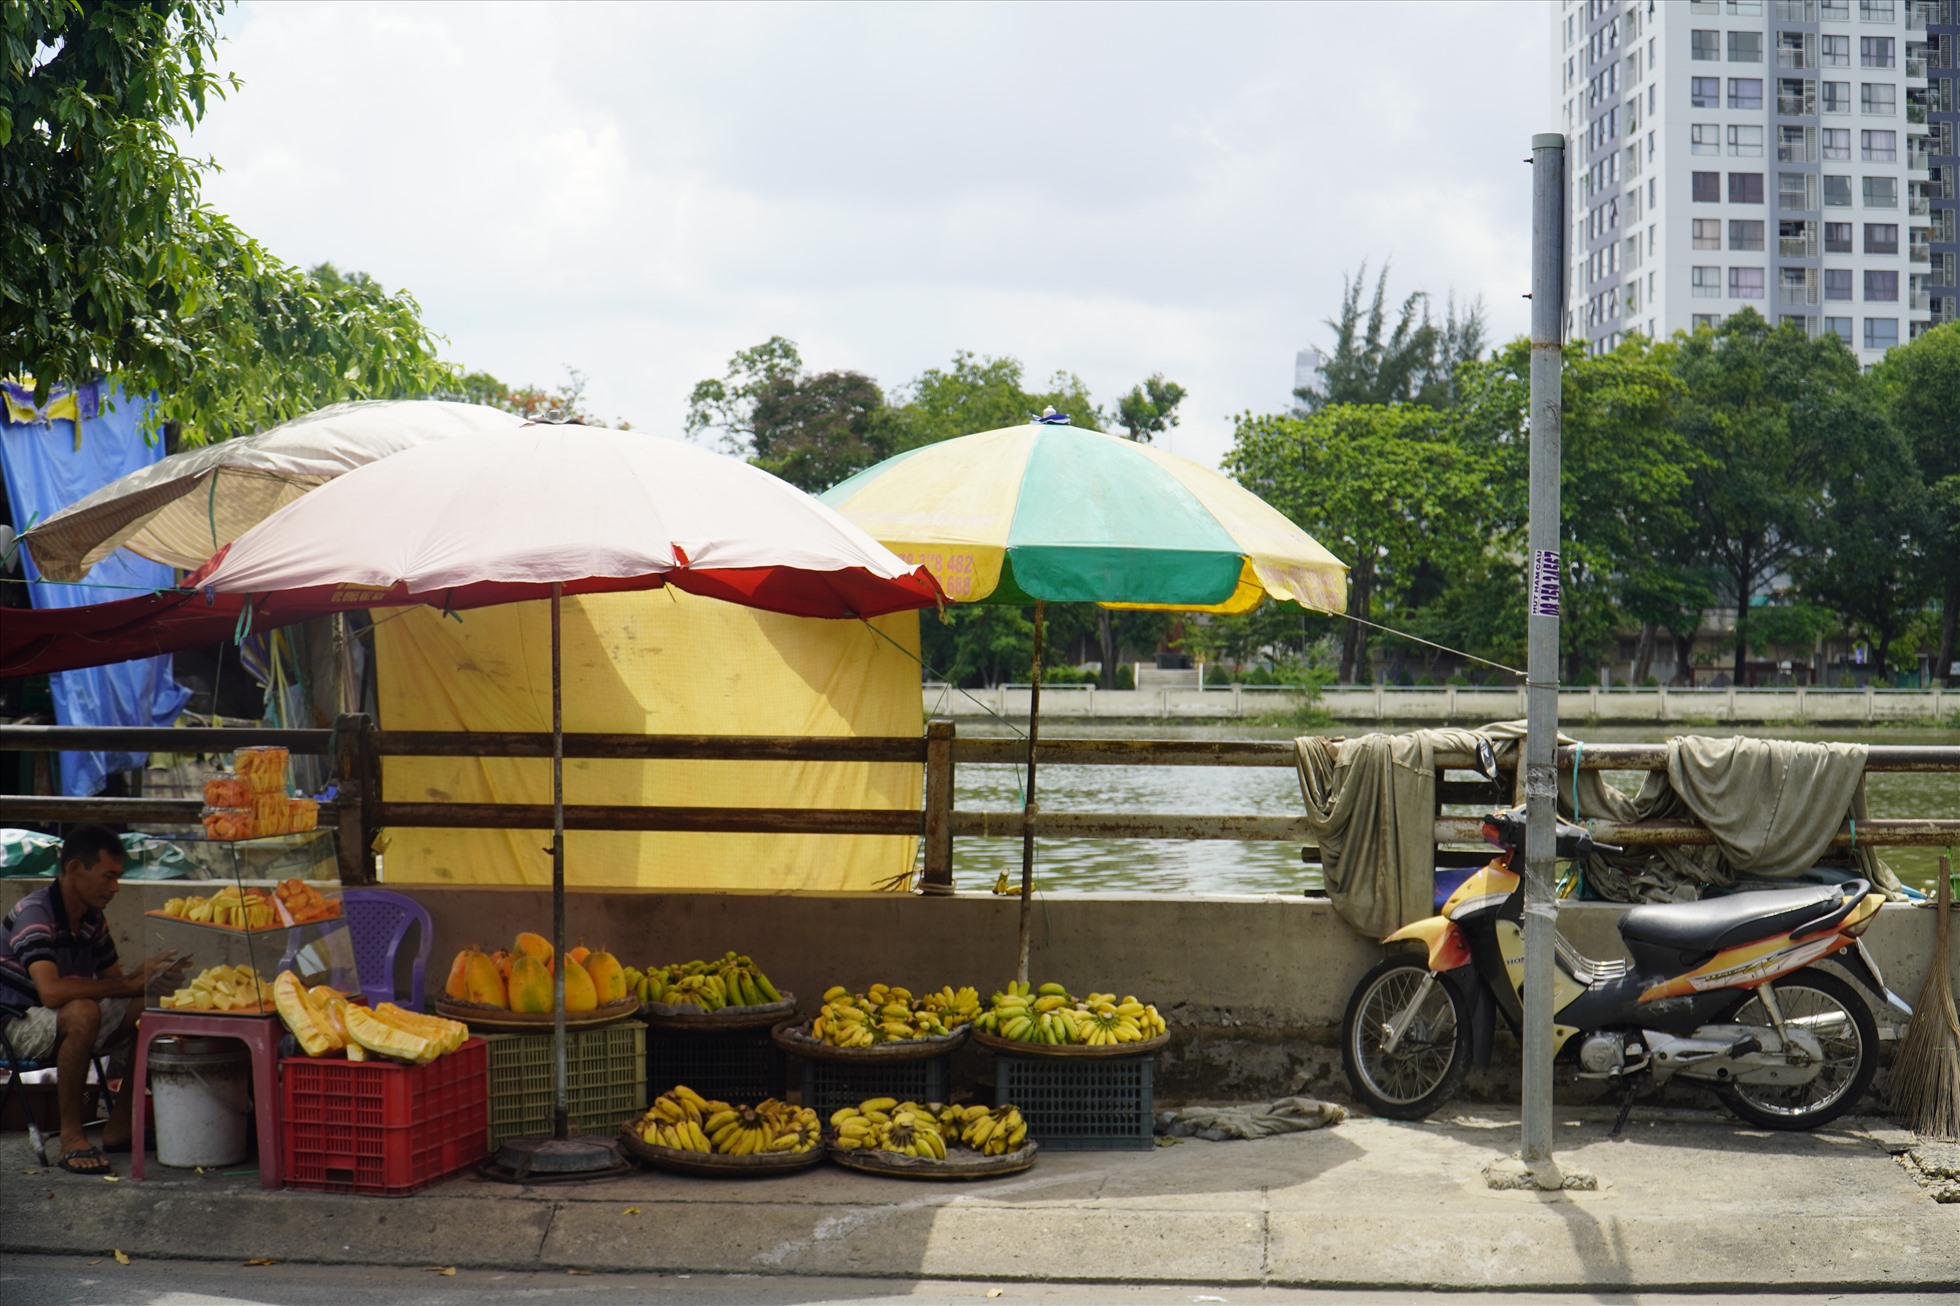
(1462, 705)
(1254, 987)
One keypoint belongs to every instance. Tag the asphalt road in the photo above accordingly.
(79, 1281)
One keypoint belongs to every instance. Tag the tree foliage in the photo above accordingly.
(110, 262)
(1412, 361)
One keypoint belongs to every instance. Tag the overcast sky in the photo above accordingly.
(1115, 190)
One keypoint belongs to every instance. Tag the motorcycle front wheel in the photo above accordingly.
(1430, 1058)
(1833, 1013)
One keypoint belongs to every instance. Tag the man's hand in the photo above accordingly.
(163, 968)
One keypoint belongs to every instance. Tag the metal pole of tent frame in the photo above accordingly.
(1541, 667)
(560, 1093)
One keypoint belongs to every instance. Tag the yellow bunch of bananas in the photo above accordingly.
(885, 1124)
(953, 1007)
(991, 1131)
(887, 1013)
(674, 1120)
(770, 1126)
(1049, 1015)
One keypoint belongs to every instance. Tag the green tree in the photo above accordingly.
(1918, 385)
(728, 404)
(1413, 361)
(564, 404)
(813, 431)
(1755, 403)
(979, 393)
(111, 263)
(1150, 408)
(1384, 487)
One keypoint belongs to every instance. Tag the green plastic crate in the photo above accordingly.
(605, 1081)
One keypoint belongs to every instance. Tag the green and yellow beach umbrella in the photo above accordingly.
(1051, 513)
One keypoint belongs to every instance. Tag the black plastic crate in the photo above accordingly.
(1080, 1104)
(743, 1066)
(828, 1085)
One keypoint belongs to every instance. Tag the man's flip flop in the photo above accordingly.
(86, 1154)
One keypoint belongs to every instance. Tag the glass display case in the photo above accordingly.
(264, 905)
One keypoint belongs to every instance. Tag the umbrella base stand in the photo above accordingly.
(540, 1160)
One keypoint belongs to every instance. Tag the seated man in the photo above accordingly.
(63, 992)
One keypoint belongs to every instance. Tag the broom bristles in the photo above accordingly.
(1926, 1072)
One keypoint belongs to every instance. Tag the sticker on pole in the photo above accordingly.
(1544, 583)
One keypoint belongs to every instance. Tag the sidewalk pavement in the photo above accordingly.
(1689, 1201)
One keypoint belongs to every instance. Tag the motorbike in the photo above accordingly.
(1723, 991)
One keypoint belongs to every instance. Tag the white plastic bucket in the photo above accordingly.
(202, 1091)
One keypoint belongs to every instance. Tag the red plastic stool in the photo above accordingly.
(258, 1033)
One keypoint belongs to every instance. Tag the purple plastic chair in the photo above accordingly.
(379, 922)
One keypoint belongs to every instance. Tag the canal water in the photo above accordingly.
(1202, 866)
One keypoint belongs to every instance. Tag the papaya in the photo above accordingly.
(458, 984)
(485, 985)
(385, 1038)
(315, 1036)
(578, 954)
(535, 945)
(502, 959)
(530, 985)
(580, 992)
(608, 976)
(448, 1035)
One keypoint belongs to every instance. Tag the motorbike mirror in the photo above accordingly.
(1486, 759)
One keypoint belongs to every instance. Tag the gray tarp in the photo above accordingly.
(1289, 1115)
(1772, 804)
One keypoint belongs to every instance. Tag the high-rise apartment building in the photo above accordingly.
(1796, 157)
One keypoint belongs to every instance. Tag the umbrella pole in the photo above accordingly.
(560, 1096)
(1028, 805)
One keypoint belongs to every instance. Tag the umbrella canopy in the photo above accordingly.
(503, 517)
(185, 507)
(1068, 515)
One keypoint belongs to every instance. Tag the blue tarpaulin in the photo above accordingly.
(48, 463)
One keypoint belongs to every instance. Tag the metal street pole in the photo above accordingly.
(1541, 667)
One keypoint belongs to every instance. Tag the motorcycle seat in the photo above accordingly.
(1715, 923)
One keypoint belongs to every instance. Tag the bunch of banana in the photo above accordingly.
(952, 1006)
(221, 988)
(886, 1013)
(675, 1118)
(1049, 1015)
(731, 980)
(885, 1124)
(771, 1126)
(990, 1131)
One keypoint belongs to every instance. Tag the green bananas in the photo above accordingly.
(684, 1120)
(1048, 1015)
(732, 980)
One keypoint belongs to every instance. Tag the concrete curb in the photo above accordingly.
(1699, 1206)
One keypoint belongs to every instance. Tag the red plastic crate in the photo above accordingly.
(381, 1128)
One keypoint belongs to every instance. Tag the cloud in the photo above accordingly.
(1114, 190)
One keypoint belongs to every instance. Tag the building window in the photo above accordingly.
(1881, 192)
(1837, 283)
(1837, 97)
(1745, 47)
(1881, 237)
(1708, 233)
(1837, 142)
(1875, 99)
(1881, 287)
(1835, 51)
(1704, 45)
(1706, 187)
(1705, 283)
(1704, 138)
(1875, 52)
(1745, 8)
(1875, 11)
(1706, 92)
(1745, 283)
(1837, 237)
(1835, 11)
(1746, 142)
(1745, 188)
(1839, 327)
(1745, 235)
(1879, 146)
(1881, 332)
(1747, 92)
(1837, 192)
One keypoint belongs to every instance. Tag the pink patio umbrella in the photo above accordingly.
(552, 510)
